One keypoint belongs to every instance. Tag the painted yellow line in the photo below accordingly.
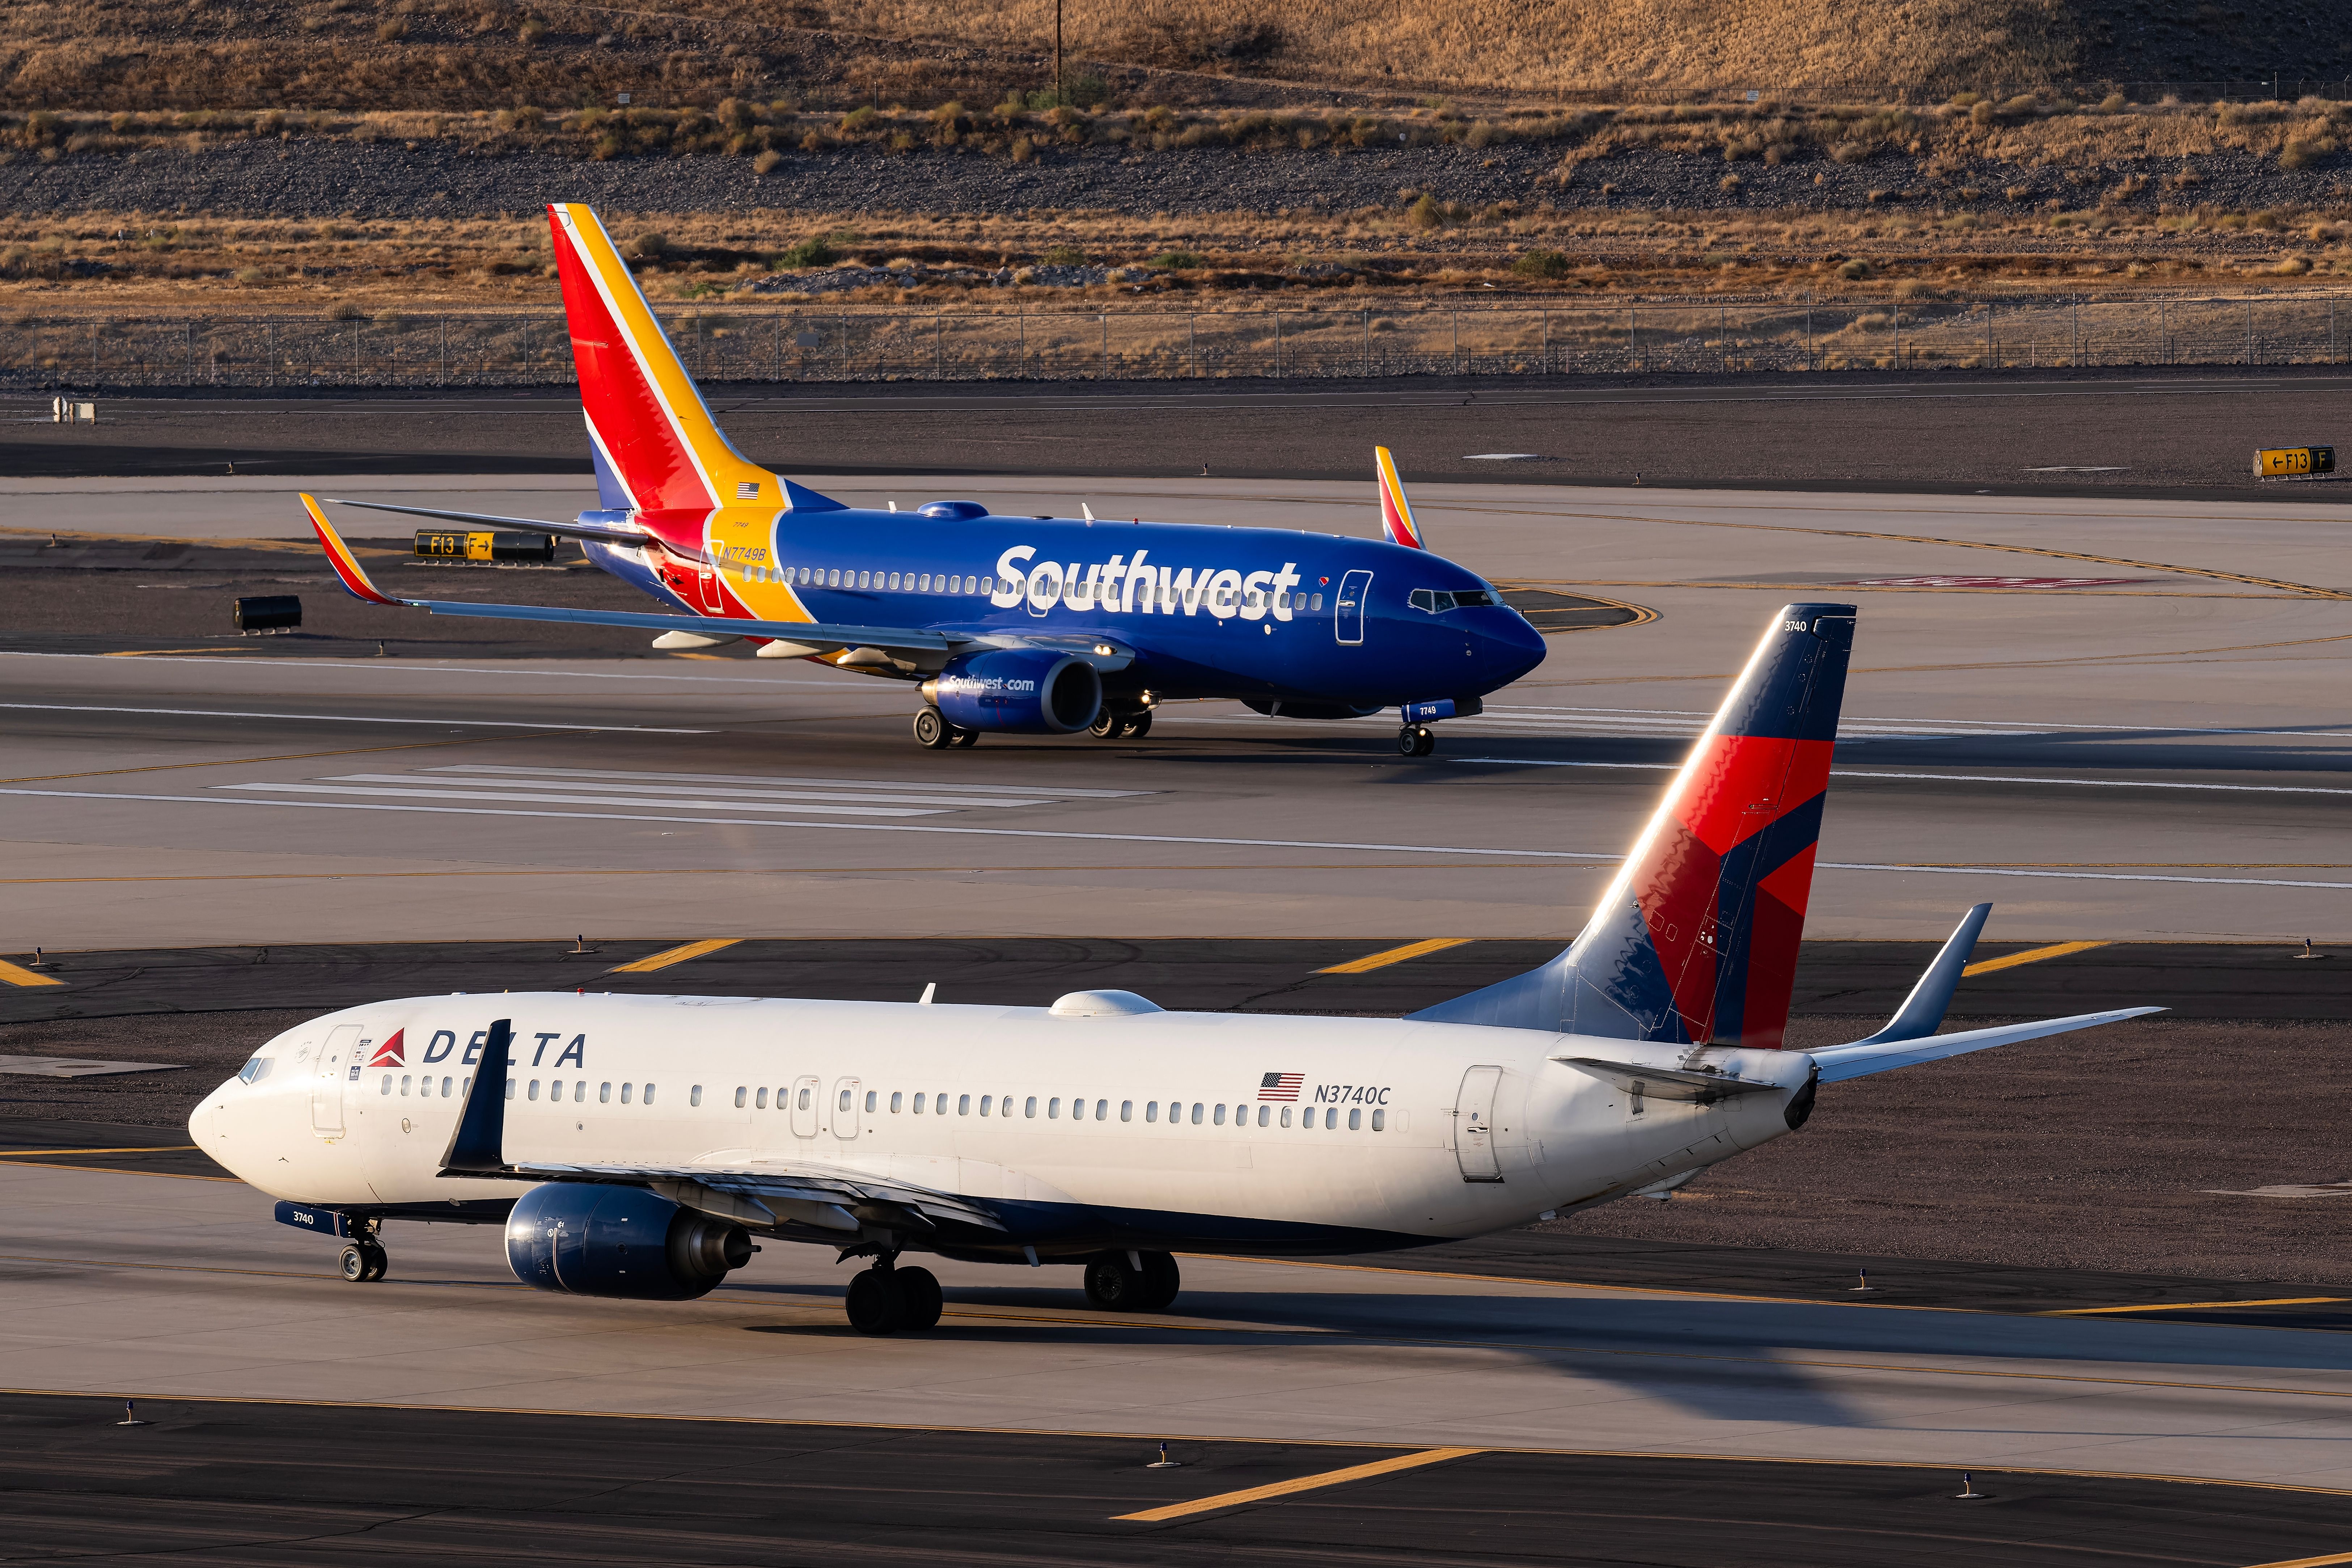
(118, 1170)
(17, 974)
(1303, 1484)
(2309, 1561)
(675, 955)
(145, 1148)
(1372, 961)
(2191, 1306)
(2032, 955)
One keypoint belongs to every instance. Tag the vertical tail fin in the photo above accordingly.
(1695, 940)
(1396, 512)
(655, 443)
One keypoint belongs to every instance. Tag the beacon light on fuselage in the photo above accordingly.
(1034, 625)
(634, 1146)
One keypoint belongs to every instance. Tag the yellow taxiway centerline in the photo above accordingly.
(1382, 959)
(2031, 956)
(1303, 1484)
(663, 960)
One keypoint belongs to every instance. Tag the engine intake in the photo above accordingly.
(1028, 691)
(585, 1239)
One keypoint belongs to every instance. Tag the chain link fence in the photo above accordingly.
(765, 343)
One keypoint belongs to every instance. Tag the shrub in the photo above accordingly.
(346, 312)
(1065, 255)
(1540, 264)
(530, 32)
(765, 163)
(1426, 213)
(1177, 262)
(648, 245)
(1855, 270)
(391, 31)
(811, 252)
(1021, 150)
(858, 119)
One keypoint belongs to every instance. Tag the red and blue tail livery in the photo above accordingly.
(1695, 943)
(1037, 625)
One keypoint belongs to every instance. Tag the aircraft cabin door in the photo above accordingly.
(845, 1114)
(339, 1060)
(707, 579)
(1473, 1125)
(804, 1106)
(1348, 621)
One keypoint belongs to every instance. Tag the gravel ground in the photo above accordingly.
(2093, 1151)
(324, 178)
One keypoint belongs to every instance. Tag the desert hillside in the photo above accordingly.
(487, 54)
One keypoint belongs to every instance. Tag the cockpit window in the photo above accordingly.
(254, 1070)
(1437, 601)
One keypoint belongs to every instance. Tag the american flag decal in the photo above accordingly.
(746, 490)
(1280, 1085)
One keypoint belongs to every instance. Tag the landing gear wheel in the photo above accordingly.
(967, 739)
(1161, 1281)
(1107, 724)
(1114, 1284)
(918, 1298)
(1138, 725)
(364, 1262)
(1409, 741)
(875, 1305)
(932, 731)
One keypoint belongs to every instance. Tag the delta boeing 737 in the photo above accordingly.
(1034, 626)
(1102, 1131)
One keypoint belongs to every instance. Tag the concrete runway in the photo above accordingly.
(182, 1288)
(2116, 719)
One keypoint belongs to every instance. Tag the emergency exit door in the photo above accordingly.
(339, 1060)
(1473, 1125)
(1348, 620)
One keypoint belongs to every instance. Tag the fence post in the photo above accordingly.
(2250, 332)
(938, 345)
(444, 352)
(2331, 328)
(1809, 337)
(1546, 342)
(192, 349)
(1192, 341)
(1278, 345)
(1021, 319)
(844, 320)
(2075, 313)
(1723, 332)
(1457, 342)
(1898, 334)
(1367, 342)
(1104, 321)
(1632, 351)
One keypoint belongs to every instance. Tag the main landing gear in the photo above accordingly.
(364, 1261)
(935, 733)
(1133, 1281)
(1116, 724)
(886, 1300)
(1416, 740)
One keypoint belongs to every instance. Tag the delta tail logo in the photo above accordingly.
(387, 1054)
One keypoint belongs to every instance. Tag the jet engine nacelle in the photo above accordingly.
(584, 1239)
(1027, 692)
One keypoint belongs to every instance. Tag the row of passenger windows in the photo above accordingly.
(1200, 1112)
(889, 582)
(925, 1103)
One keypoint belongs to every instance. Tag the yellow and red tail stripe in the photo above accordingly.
(642, 407)
(338, 555)
(1396, 512)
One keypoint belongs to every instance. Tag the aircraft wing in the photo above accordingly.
(773, 1193)
(810, 635)
(1861, 1059)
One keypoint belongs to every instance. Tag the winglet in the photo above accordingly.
(338, 555)
(1396, 512)
(1922, 1013)
(478, 1146)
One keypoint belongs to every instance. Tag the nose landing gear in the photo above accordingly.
(1416, 740)
(885, 1298)
(364, 1262)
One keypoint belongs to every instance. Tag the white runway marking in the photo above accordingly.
(355, 719)
(1055, 790)
(1128, 838)
(746, 792)
(1932, 778)
(686, 805)
(420, 667)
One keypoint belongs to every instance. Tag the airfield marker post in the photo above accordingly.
(1192, 341)
(939, 346)
(1367, 342)
(1103, 320)
(1278, 345)
(1547, 343)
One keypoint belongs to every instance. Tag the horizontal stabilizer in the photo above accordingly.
(603, 534)
(1667, 1083)
(1863, 1059)
(1922, 1013)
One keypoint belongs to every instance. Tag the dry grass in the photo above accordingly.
(1375, 257)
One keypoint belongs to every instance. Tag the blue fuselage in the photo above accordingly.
(1207, 611)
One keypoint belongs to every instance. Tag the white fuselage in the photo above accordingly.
(1241, 1132)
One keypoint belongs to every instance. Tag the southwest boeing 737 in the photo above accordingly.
(1027, 626)
(633, 1146)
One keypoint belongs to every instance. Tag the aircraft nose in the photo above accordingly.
(1513, 648)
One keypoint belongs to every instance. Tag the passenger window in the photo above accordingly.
(985, 1101)
(1102, 1109)
(1330, 1119)
(1196, 1114)
(580, 1091)
(1379, 1121)
(1053, 1108)
(804, 1099)
(466, 1085)
(1029, 1106)
(555, 1089)
(1316, 603)
(987, 585)
(870, 1097)
(1126, 1111)
(1286, 1116)
(940, 1104)
(694, 1094)
(1151, 1111)
(1241, 1115)
(647, 1099)
(387, 1086)
(963, 1105)
(763, 1099)
(624, 1094)
(1263, 1112)
(924, 585)
(844, 1105)
(1221, 1116)
(1355, 1120)
(918, 1105)
(603, 1094)
(404, 1086)
(866, 579)
(532, 1093)
(742, 1095)
(899, 1098)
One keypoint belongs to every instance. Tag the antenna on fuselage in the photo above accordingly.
(1086, 511)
